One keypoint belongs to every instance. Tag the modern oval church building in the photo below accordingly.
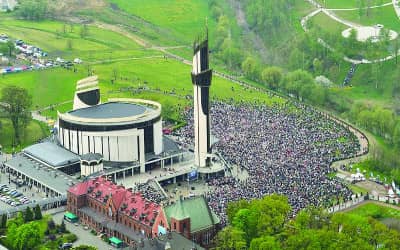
(121, 130)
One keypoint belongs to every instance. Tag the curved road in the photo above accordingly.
(328, 12)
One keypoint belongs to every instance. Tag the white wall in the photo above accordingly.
(158, 139)
(123, 146)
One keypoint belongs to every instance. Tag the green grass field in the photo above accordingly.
(47, 87)
(345, 4)
(356, 189)
(49, 36)
(181, 17)
(34, 132)
(384, 15)
(376, 211)
(325, 23)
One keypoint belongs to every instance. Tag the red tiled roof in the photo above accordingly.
(79, 189)
(99, 188)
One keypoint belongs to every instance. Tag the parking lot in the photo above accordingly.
(14, 192)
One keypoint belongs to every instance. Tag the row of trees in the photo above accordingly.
(273, 16)
(32, 9)
(225, 47)
(23, 232)
(263, 224)
(7, 49)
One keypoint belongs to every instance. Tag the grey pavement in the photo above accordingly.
(84, 236)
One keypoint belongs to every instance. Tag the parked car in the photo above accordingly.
(65, 246)
(77, 61)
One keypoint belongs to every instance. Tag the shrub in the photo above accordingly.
(52, 237)
(70, 238)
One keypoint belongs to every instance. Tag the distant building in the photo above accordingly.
(194, 219)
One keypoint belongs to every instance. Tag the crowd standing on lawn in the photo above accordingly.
(286, 149)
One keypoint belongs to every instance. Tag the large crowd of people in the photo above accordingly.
(150, 192)
(286, 149)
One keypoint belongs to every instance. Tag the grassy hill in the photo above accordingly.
(236, 31)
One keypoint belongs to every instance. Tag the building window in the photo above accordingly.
(174, 225)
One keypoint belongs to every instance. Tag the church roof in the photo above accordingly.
(197, 209)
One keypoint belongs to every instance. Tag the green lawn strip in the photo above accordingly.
(346, 4)
(376, 211)
(384, 15)
(356, 189)
(327, 24)
(34, 132)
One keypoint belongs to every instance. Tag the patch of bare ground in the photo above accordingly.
(66, 7)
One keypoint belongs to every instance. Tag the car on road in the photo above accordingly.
(65, 246)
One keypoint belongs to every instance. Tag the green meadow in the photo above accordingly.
(347, 4)
(376, 211)
(383, 15)
(180, 17)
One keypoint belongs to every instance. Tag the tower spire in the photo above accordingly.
(201, 79)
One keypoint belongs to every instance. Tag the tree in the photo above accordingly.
(16, 103)
(62, 228)
(249, 68)
(297, 82)
(396, 135)
(27, 236)
(84, 31)
(230, 238)
(272, 76)
(318, 67)
(32, 9)
(51, 225)
(38, 213)
(115, 74)
(7, 48)
(265, 243)
(11, 48)
(28, 216)
(4, 221)
(69, 44)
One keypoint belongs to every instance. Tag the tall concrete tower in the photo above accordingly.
(201, 78)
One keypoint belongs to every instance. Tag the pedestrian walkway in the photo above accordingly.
(396, 6)
(352, 25)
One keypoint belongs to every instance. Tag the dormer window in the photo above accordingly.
(124, 206)
(133, 211)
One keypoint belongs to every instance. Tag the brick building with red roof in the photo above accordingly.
(116, 211)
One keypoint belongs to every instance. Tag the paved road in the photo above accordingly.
(84, 236)
(396, 7)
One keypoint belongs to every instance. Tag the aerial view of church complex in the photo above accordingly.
(199, 124)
